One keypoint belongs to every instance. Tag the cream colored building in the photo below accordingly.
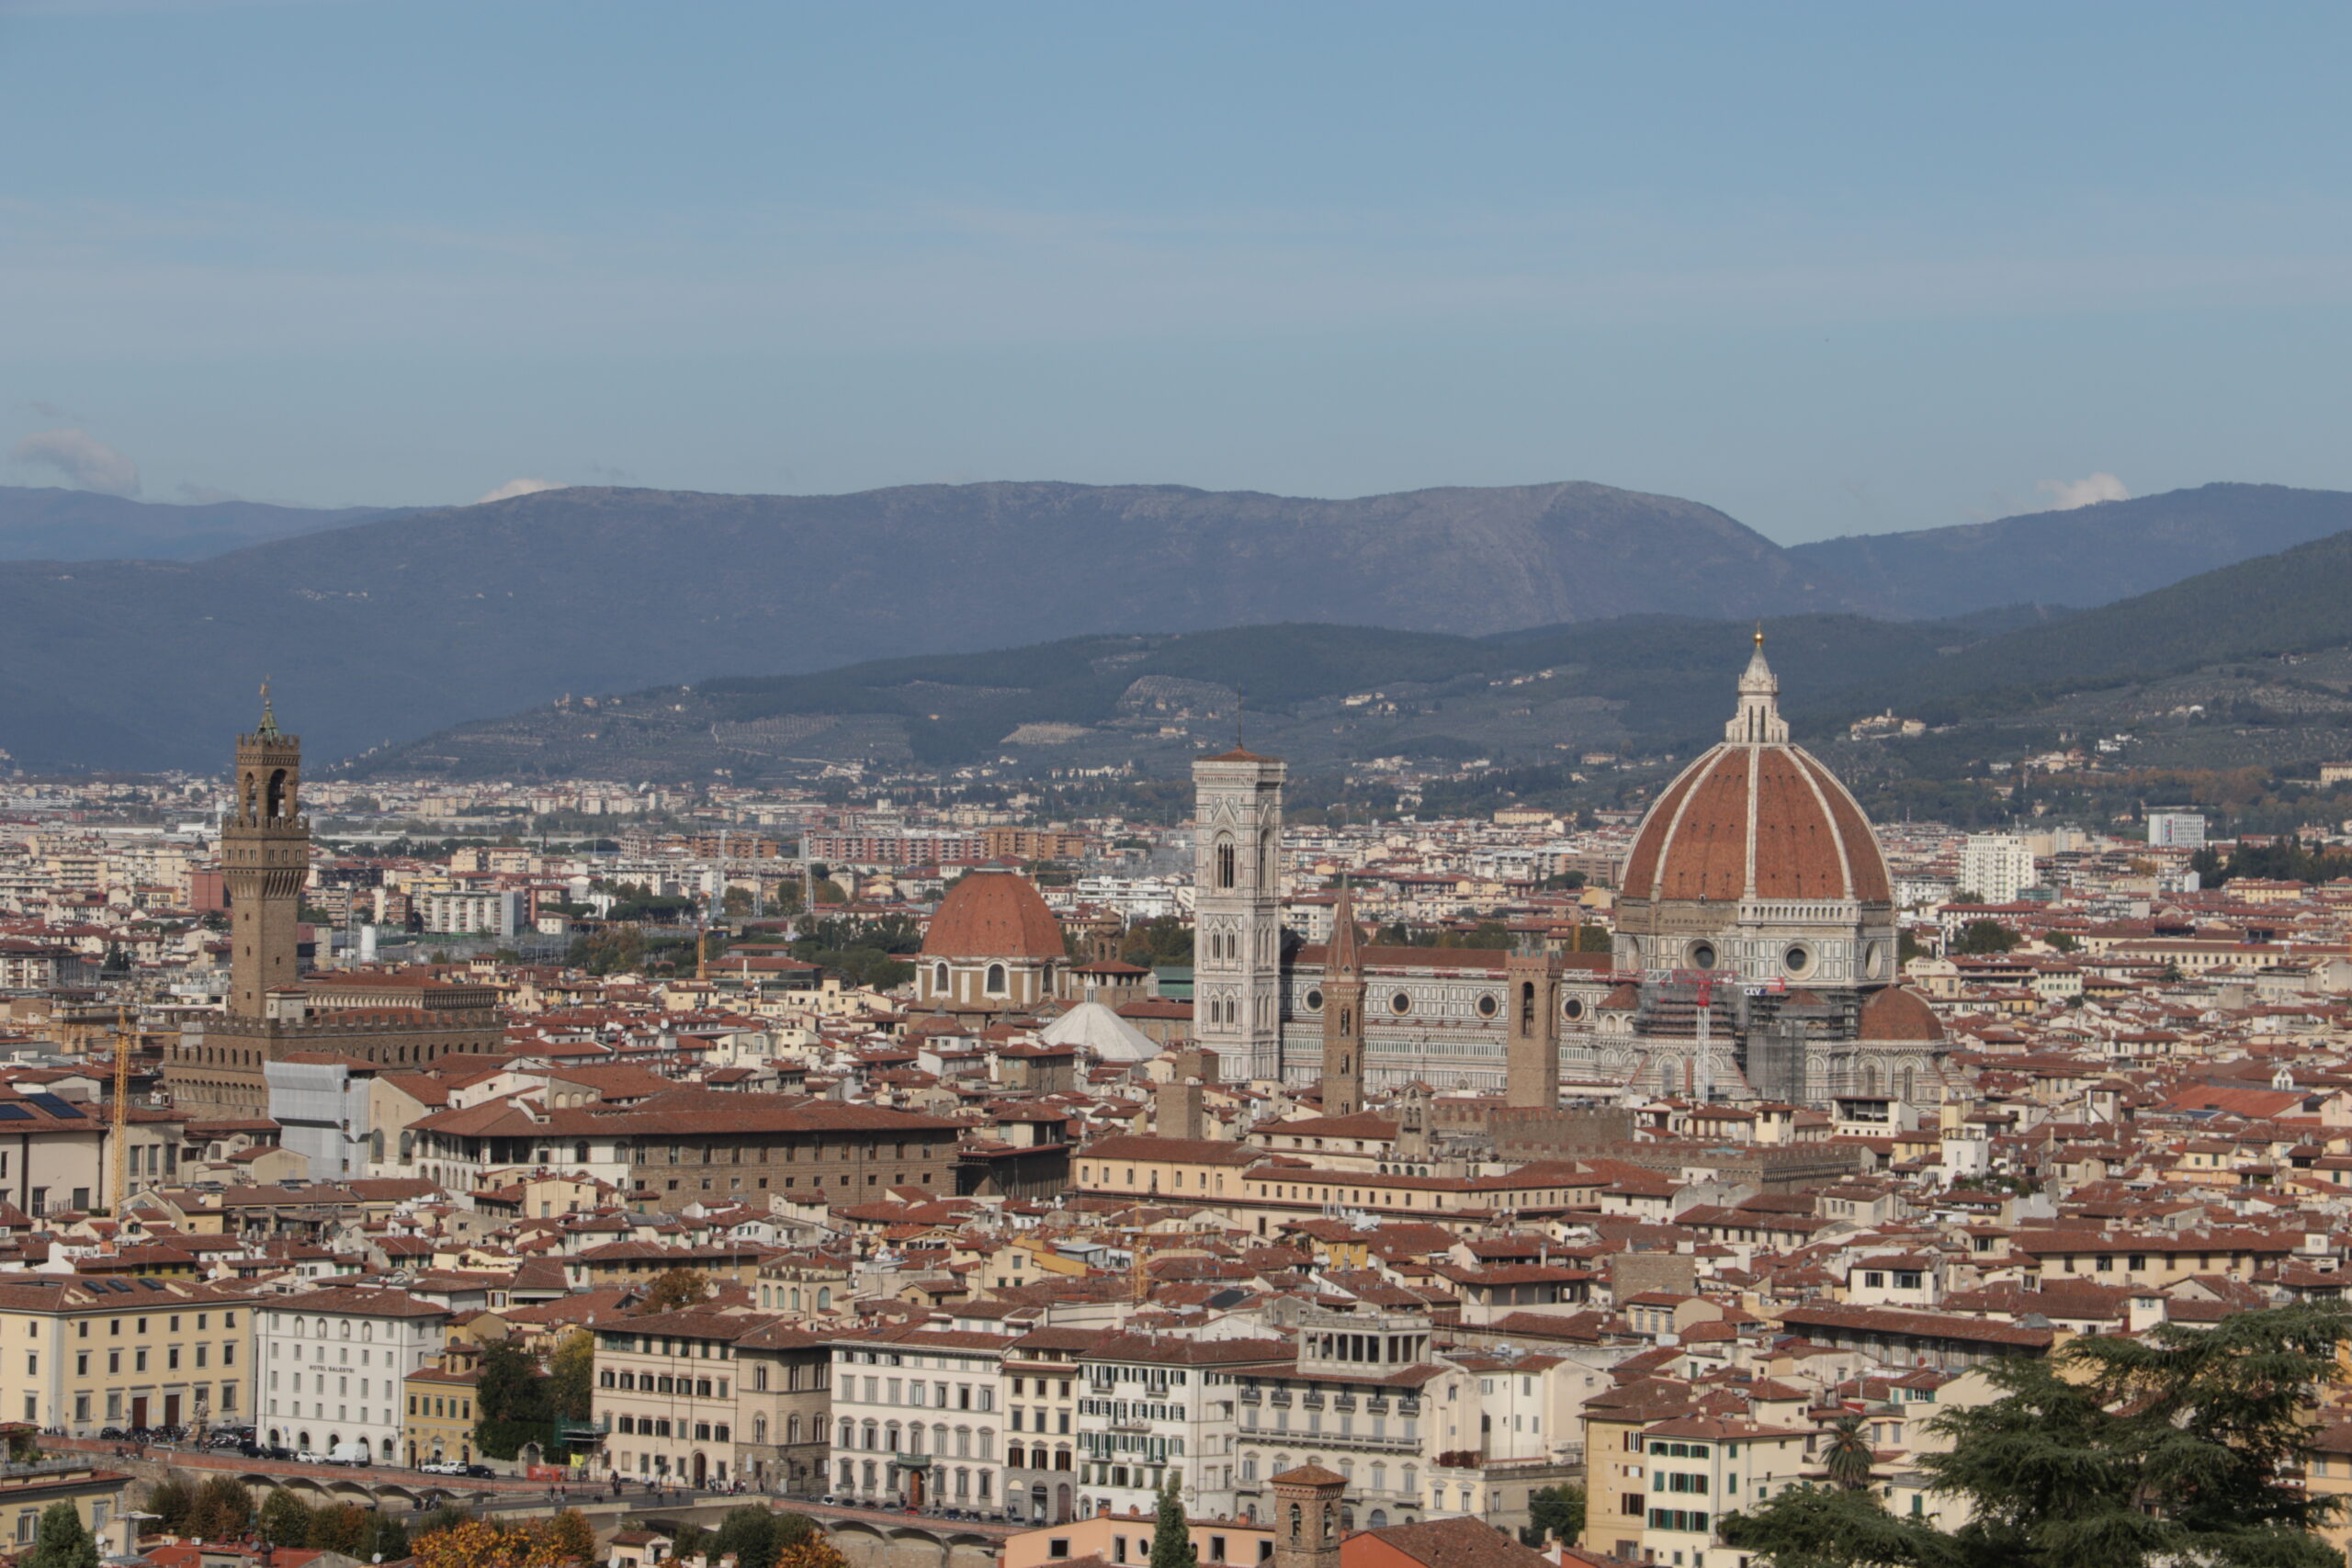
(80, 1354)
(666, 1393)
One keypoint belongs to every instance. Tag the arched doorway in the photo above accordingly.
(1061, 1504)
(702, 1470)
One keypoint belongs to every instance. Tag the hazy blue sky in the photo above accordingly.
(1832, 268)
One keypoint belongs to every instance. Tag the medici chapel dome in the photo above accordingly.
(1756, 859)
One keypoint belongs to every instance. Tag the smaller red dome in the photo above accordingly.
(1895, 1014)
(993, 913)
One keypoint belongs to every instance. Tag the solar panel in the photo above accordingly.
(155, 1285)
(10, 1112)
(55, 1106)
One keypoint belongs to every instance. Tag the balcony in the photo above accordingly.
(1311, 1401)
(1249, 1396)
(1343, 1402)
(1279, 1399)
(1377, 1405)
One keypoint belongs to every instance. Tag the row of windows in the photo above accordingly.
(138, 1358)
(649, 1382)
(659, 1427)
(441, 1406)
(922, 1395)
(890, 1437)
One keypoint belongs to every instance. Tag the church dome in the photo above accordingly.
(1756, 818)
(993, 912)
(1897, 1015)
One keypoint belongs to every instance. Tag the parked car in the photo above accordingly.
(480, 1471)
(308, 1456)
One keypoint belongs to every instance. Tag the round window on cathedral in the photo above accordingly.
(1797, 960)
(1874, 961)
(1314, 999)
(1702, 955)
(1573, 1008)
(1489, 1004)
(1402, 1002)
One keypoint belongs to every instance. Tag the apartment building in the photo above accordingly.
(337, 1361)
(1151, 1407)
(1042, 1375)
(783, 1395)
(917, 1417)
(1701, 1468)
(667, 1393)
(78, 1354)
(1358, 1394)
(439, 1413)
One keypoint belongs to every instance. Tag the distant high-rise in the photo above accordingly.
(2176, 829)
(1996, 867)
(1238, 909)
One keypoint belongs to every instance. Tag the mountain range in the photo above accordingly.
(403, 624)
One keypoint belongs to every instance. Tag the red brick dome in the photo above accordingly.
(1895, 1014)
(1757, 821)
(1757, 818)
(993, 913)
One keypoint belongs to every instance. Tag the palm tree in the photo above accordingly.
(1849, 1456)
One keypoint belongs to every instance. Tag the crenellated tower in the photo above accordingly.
(265, 858)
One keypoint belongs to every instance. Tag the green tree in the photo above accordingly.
(736, 901)
(511, 1401)
(285, 1521)
(1172, 1536)
(753, 1534)
(443, 1517)
(2174, 1446)
(2063, 942)
(1557, 1513)
(1980, 937)
(346, 1527)
(63, 1542)
(391, 1541)
(673, 1290)
(1849, 1458)
(172, 1500)
(1823, 1527)
(572, 1376)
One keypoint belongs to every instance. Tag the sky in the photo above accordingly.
(1834, 269)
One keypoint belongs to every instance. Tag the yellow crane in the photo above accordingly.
(121, 1109)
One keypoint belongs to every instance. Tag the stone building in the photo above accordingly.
(993, 947)
(1754, 956)
(216, 1064)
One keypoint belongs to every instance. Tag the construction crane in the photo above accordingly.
(122, 1110)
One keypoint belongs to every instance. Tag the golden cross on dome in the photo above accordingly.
(1759, 633)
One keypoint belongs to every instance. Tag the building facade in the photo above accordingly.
(335, 1362)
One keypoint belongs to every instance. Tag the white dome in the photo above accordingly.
(1094, 1027)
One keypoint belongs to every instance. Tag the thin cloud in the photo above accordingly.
(514, 488)
(2066, 495)
(81, 458)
